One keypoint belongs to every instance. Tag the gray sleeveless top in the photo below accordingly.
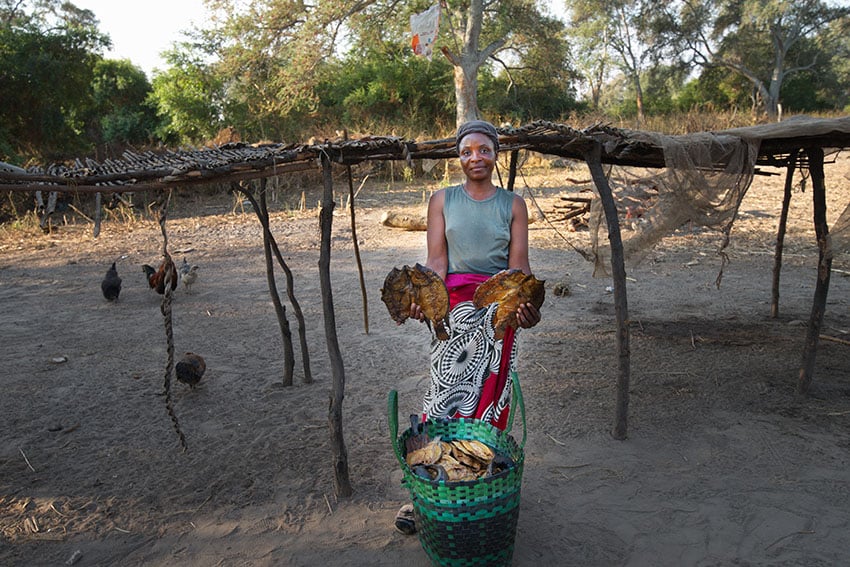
(478, 233)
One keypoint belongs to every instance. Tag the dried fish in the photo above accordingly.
(510, 289)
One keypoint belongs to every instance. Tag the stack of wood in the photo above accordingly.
(574, 210)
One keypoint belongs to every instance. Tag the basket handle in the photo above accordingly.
(518, 403)
(392, 412)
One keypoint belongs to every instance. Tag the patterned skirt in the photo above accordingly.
(470, 371)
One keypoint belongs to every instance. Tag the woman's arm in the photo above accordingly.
(527, 314)
(518, 250)
(438, 251)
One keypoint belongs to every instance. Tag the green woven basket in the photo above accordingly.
(466, 524)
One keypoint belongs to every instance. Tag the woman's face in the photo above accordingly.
(477, 157)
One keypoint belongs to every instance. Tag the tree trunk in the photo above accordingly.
(639, 99)
(466, 92)
(467, 63)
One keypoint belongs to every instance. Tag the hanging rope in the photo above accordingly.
(165, 308)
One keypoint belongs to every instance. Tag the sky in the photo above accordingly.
(141, 30)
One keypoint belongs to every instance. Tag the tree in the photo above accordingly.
(381, 85)
(121, 113)
(592, 57)
(274, 52)
(509, 30)
(48, 51)
(189, 98)
(762, 40)
(619, 32)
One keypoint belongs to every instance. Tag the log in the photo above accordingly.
(587, 200)
(403, 220)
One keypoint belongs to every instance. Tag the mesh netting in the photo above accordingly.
(705, 179)
(839, 234)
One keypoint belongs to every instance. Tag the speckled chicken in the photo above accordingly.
(111, 284)
(184, 267)
(190, 369)
(189, 278)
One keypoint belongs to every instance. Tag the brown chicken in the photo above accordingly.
(509, 288)
(157, 278)
(190, 369)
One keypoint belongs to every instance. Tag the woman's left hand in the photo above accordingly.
(527, 315)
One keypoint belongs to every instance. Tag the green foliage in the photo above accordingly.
(766, 42)
(46, 72)
(121, 113)
(539, 85)
(387, 82)
(188, 98)
(520, 104)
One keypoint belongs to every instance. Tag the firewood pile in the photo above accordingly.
(573, 210)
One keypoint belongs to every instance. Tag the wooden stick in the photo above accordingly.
(834, 339)
(26, 459)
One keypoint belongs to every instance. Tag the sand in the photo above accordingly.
(724, 463)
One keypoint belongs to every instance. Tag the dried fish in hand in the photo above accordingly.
(510, 289)
(420, 285)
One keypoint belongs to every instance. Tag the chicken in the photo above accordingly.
(156, 278)
(184, 267)
(190, 369)
(190, 277)
(111, 284)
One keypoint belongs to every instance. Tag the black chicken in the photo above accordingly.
(111, 284)
(190, 369)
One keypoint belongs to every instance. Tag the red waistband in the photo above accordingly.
(462, 286)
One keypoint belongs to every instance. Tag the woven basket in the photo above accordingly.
(465, 524)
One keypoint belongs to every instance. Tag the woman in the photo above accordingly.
(475, 230)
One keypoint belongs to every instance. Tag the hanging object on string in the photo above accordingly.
(424, 27)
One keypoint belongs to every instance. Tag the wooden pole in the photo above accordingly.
(593, 157)
(98, 213)
(824, 269)
(351, 195)
(342, 483)
(261, 210)
(512, 169)
(780, 233)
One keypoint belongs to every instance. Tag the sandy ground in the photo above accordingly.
(724, 464)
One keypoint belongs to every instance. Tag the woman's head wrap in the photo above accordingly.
(477, 127)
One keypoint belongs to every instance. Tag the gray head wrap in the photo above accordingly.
(477, 127)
